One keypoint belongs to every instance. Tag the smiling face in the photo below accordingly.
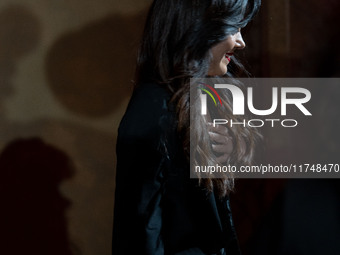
(222, 52)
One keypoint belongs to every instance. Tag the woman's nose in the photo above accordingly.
(240, 44)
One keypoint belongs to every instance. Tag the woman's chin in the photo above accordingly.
(224, 70)
(221, 71)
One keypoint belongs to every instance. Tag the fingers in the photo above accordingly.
(215, 137)
(222, 143)
(218, 134)
(220, 129)
(223, 148)
(222, 159)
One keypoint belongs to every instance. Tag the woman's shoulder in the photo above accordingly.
(148, 111)
(147, 96)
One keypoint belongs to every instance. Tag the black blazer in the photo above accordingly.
(158, 208)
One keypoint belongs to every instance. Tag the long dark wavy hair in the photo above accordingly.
(175, 47)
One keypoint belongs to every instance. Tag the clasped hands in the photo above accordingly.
(222, 142)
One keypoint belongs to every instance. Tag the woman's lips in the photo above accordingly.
(228, 56)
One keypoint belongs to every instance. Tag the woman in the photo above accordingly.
(158, 208)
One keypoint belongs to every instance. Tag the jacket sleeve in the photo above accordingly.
(138, 196)
(142, 166)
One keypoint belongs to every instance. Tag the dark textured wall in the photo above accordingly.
(65, 79)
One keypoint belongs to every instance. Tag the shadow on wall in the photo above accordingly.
(32, 211)
(32, 215)
(19, 34)
(90, 71)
